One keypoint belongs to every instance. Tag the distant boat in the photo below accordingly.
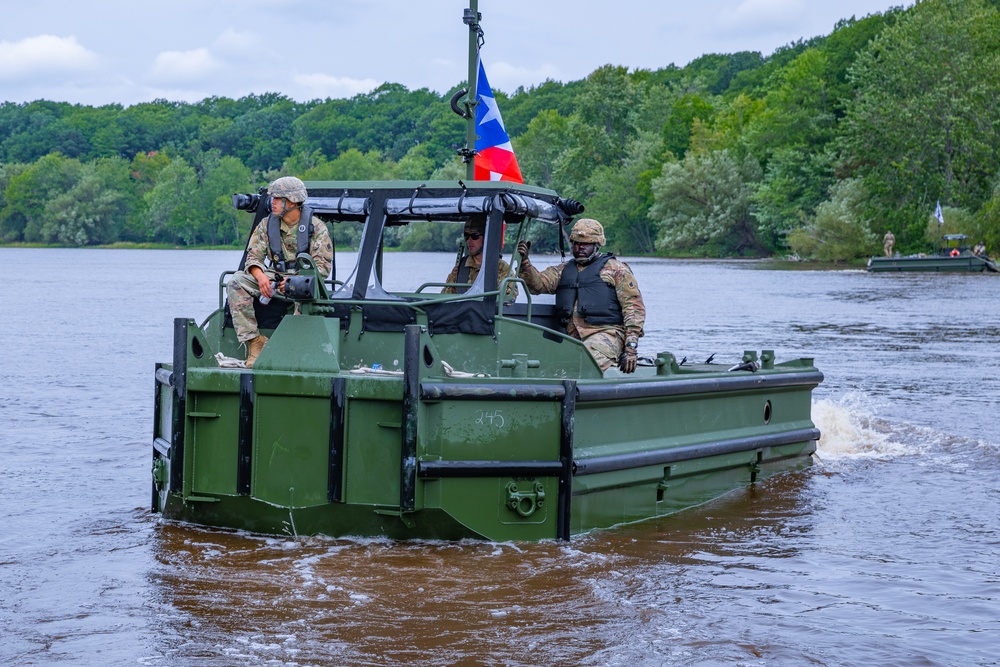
(953, 256)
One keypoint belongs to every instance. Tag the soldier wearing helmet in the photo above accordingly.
(271, 252)
(471, 261)
(596, 294)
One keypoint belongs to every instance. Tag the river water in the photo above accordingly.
(885, 552)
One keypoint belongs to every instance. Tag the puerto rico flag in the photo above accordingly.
(495, 159)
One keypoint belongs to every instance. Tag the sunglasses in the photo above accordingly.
(474, 236)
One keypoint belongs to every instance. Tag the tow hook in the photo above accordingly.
(525, 502)
(159, 473)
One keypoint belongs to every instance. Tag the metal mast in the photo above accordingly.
(470, 17)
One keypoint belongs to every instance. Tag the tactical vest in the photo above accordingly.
(276, 252)
(596, 301)
(463, 275)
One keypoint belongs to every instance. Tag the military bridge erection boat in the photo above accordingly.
(954, 256)
(418, 414)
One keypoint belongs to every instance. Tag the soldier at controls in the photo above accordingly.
(468, 266)
(271, 253)
(597, 296)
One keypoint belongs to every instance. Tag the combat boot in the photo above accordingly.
(254, 348)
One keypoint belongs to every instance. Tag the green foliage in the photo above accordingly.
(521, 108)
(797, 112)
(11, 225)
(450, 171)
(924, 124)
(987, 222)
(839, 231)
(389, 120)
(796, 182)
(956, 221)
(88, 212)
(677, 129)
(715, 72)
(429, 236)
(416, 165)
(622, 196)
(841, 48)
(732, 154)
(350, 165)
(539, 148)
(261, 135)
(595, 135)
(170, 212)
(29, 192)
(221, 177)
(702, 205)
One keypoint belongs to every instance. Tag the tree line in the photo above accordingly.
(815, 150)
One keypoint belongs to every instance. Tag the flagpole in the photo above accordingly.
(472, 17)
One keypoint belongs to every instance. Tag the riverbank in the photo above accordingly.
(780, 263)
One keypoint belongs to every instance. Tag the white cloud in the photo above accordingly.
(235, 42)
(44, 56)
(323, 86)
(180, 67)
(506, 77)
(765, 15)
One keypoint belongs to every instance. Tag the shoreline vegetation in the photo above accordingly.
(779, 262)
(816, 150)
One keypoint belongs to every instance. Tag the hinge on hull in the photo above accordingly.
(405, 517)
(201, 499)
(755, 466)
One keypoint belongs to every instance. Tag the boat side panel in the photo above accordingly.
(374, 431)
(214, 419)
(503, 504)
(610, 429)
(606, 428)
(291, 450)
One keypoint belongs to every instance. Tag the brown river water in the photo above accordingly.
(885, 552)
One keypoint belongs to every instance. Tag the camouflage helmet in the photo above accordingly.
(587, 230)
(472, 225)
(289, 187)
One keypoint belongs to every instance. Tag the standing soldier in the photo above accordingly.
(887, 242)
(596, 295)
(271, 254)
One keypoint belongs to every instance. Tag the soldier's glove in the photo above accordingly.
(523, 248)
(627, 362)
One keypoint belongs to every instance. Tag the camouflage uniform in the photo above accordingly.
(605, 342)
(242, 287)
(888, 241)
(503, 270)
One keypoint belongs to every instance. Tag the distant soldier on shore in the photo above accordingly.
(888, 241)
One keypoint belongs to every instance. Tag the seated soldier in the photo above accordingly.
(467, 268)
(265, 265)
(597, 296)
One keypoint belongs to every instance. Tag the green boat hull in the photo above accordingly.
(348, 425)
(293, 449)
(933, 263)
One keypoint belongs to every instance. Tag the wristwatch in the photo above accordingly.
(632, 344)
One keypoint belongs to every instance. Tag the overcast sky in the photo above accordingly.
(128, 51)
